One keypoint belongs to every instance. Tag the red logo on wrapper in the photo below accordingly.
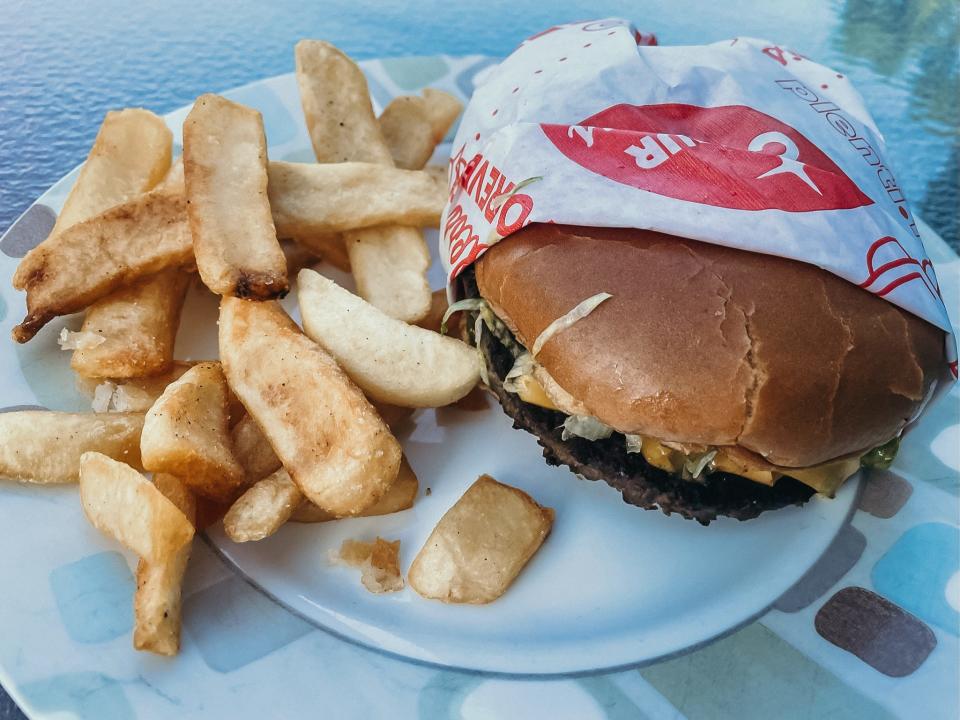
(732, 156)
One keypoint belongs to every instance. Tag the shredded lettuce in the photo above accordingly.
(582, 309)
(460, 306)
(522, 366)
(477, 331)
(696, 464)
(586, 427)
(880, 458)
(634, 443)
(500, 199)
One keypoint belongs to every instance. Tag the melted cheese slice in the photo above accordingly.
(825, 479)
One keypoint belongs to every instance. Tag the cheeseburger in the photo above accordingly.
(691, 377)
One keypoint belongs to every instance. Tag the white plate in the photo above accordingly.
(612, 586)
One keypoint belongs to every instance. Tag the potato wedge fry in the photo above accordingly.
(157, 602)
(438, 308)
(83, 263)
(443, 109)
(325, 432)
(252, 450)
(330, 248)
(336, 105)
(391, 361)
(131, 395)
(378, 561)
(225, 167)
(123, 504)
(480, 545)
(309, 199)
(186, 433)
(390, 264)
(399, 497)
(130, 155)
(393, 415)
(413, 126)
(44, 447)
(262, 509)
(138, 324)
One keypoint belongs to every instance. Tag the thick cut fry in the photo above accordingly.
(262, 509)
(123, 504)
(480, 545)
(391, 361)
(330, 248)
(309, 199)
(186, 433)
(378, 561)
(390, 264)
(130, 155)
(399, 497)
(225, 167)
(325, 432)
(393, 415)
(40, 446)
(132, 395)
(252, 450)
(74, 268)
(138, 325)
(157, 602)
(336, 105)
(413, 126)
(438, 308)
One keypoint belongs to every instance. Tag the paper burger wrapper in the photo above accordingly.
(741, 143)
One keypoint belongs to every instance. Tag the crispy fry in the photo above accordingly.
(130, 155)
(138, 325)
(330, 248)
(391, 361)
(262, 509)
(74, 268)
(336, 105)
(132, 395)
(252, 450)
(186, 433)
(413, 126)
(399, 497)
(390, 263)
(480, 545)
(393, 415)
(309, 199)
(123, 504)
(438, 307)
(378, 561)
(325, 432)
(225, 167)
(157, 603)
(41, 446)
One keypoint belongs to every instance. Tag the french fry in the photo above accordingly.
(137, 324)
(263, 508)
(252, 450)
(480, 544)
(325, 432)
(390, 361)
(131, 395)
(186, 433)
(330, 248)
(225, 167)
(399, 497)
(72, 269)
(122, 503)
(44, 447)
(438, 308)
(310, 199)
(157, 603)
(413, 126)
(389, 264)
(130, 155)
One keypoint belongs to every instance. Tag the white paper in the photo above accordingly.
(740, 143)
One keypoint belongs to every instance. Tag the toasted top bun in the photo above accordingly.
(706, 344)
